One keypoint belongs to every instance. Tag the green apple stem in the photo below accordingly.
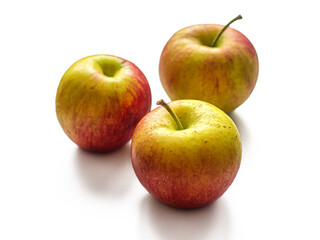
(173, 115)
(215, 40)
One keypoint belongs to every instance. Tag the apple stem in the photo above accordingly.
(215, 40)
(173, 115)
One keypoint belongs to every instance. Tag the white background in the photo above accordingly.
(50, 189)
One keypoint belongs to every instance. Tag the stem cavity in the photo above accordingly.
(215, 40)
(173, 115)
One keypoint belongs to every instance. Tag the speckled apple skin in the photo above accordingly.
(187, 168)
(224, 75)
(97, 112)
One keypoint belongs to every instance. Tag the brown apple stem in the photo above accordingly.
(215, 40)
(173, 115)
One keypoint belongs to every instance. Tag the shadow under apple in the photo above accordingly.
(244, 133)
(105, 173)
(174, 223)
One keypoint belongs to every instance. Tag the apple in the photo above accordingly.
(188, 156)
(209, 62)
(100, 100)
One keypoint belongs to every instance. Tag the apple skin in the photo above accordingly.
(100, 100)
(224, 75)
(187, 168)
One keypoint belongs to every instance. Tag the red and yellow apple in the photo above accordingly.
(100, 100)
(200, 63)
(188, 156)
